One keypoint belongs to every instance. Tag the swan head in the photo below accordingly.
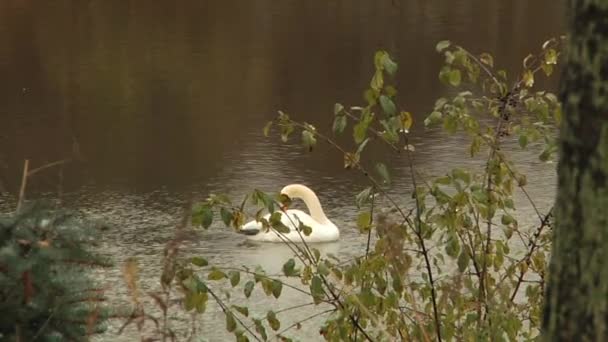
(292, 191)
(309, 197)
(296, 191)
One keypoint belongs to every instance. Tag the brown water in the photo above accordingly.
(164, 100)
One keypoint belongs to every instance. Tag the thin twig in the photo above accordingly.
(270, 278)
(359, 167)
(533, 246)
(371, 220)
(422, 244)
(26, 165)
(306, 319)
(485, 69)
(46, 166)
(227, 311)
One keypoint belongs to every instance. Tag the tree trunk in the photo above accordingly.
(576, 302)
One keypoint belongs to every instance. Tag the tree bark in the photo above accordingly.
(576, 302)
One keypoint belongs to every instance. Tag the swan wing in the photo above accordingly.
(291, 221)
(320, 232)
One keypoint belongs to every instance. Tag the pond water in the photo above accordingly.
(165, 101)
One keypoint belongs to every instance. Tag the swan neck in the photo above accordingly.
(314, 206)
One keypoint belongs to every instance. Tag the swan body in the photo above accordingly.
(323, 230)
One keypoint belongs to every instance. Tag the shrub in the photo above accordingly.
(456, 264)
(46, 292)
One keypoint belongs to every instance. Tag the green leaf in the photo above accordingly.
(452, 247)
(463, 260)
(366, 297)
(267, 128)
(226, 216)
(377, 81)
(379, 58)
(364, 220)
(389, 65)
(360, 131)
(339, 124)
(507, 219)
(445, 180)
(235, 277)
(230, 322)
(286, 131)
(289, 268)
(387, 105)
(545, 155)
(338, 108)
(370, 96)
(463, 175)
(277, 287)
(363, 197)
(440, 102)
(523, 140)
(248, 288)
(442, 45)
(273, 321)
(267, 286)
(475, 146)
(455, 77)
(259, 196)
(383, 172)
(316, 253)
(277, 224)
(259, 328)
(189, 301)
(197, 301)
(198, 261)
(307, 230)
(243, 310)
(390, 90)
(203, 216)
(450, 124)
(433, 118)
(308, 140)
(323, 269)
(316, 289)
(216, 274)
(444, 74)
(391, 127)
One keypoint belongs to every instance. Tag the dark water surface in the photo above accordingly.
(164, 100)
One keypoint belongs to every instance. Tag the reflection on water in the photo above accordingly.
(165, 100)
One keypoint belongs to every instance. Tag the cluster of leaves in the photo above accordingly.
(519, 110)
(233, 216)
(46, 292)
(457, 265)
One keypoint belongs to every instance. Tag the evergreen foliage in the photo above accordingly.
(46, 291)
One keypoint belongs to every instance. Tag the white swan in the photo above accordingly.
(323, 230)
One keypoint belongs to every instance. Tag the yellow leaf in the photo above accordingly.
(487, 59)
(528, 78)
(551, 56)
(406, 120)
